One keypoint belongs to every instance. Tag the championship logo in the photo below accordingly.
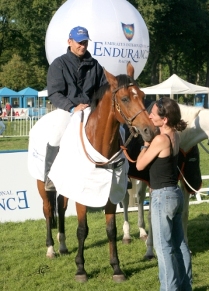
(128, 30)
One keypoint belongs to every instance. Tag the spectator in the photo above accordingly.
(8, 108)
(2, 125)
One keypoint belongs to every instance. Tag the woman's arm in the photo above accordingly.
(159, 143)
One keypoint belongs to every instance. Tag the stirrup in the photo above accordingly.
(49, 186)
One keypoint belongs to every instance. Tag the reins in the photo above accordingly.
(84, 148)
(128, 121)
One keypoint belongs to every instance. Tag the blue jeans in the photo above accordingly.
(2, 127)
(174, 260)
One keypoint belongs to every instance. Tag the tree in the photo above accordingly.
(23, 26)
(179, 39)
(17, 75)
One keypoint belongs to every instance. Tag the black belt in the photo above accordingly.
(113, 165)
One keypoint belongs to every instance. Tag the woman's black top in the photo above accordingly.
(163, 171)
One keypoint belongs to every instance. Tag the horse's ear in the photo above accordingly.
(111, 79)
(130, 70)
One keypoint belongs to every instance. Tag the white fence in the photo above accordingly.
(21, 121)
(195, 199)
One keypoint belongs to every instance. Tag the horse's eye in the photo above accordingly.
(125, 99)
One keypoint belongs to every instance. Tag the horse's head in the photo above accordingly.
(127, 103)
(197, 126)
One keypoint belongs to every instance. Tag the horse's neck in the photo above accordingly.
(197, 129)
(102, 131)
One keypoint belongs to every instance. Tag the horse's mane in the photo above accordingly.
(189, 113)
(123, 80)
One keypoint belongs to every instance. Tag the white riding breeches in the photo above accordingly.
(63, 119)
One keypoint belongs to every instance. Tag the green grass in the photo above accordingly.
(24, 265)
(13, 143)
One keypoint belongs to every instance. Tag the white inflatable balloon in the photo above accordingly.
(117, 31)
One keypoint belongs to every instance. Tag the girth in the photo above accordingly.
(113, 165)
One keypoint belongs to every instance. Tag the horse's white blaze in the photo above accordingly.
(134, 92)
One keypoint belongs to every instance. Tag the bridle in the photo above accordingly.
(128, 121)
(116, 105)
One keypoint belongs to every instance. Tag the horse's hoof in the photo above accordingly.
(63, 252)
(119, 278)
(149, 258)
(51, 255)
(81, 278)
(144, 238)
(126, 241)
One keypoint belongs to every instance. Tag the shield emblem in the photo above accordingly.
(128, 30)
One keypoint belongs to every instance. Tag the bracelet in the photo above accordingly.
(71, 109)
(144, 147)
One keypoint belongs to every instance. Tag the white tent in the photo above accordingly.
(43, 93)
(175, 85)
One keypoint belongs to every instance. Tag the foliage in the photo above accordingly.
(19, 74)
(23, 27)
(179, 37)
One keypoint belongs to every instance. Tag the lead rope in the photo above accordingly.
(124, 148)
(196, 191)
(204, 148)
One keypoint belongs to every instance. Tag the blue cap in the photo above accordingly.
(79, 34)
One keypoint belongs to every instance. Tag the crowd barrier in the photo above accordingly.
(21, 121)
(133, 204)
(19, 197)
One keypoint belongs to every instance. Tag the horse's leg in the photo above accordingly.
(185, 214)
(62, 206)
(149, 241)
(141, 194)
(49, 208)
(111, 230)
(82, 233)
(126, 227)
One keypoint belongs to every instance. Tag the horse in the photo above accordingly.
(196, 131)
(119, 101)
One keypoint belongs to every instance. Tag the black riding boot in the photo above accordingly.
(51, 153)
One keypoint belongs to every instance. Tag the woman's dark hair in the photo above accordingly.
(169, 108)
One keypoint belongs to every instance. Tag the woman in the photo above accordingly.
(174, 261)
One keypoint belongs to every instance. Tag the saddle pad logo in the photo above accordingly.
(128, 30)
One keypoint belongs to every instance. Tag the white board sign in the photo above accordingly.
(19, 197)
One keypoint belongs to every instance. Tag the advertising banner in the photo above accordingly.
(19, 197)
(117, 31)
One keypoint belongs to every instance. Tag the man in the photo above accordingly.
(71, 82)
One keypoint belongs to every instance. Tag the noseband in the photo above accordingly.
(115, 104)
